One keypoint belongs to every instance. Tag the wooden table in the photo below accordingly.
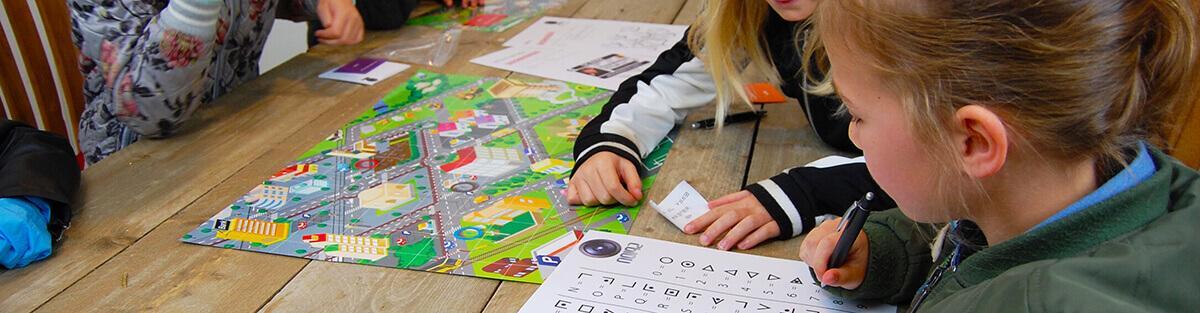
(123, 252)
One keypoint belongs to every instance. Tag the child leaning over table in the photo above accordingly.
(148, 64)
(1024, 125)
(713, 62)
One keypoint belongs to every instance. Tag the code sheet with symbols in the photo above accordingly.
(609, 272)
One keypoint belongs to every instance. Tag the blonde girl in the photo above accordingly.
(730, 41)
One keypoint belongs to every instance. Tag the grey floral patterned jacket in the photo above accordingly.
(148, 64)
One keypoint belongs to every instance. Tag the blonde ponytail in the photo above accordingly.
(728, 39)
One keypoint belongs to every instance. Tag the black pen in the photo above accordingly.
(730, 119)
(852, 223)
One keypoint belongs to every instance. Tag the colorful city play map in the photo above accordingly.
(448, 173)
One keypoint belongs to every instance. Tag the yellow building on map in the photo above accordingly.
(248, 230)
(506, 210)
(506, 88)
(386, 196)
(551, 166)
(357, 247)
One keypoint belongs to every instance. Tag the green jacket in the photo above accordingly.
(1134, 252)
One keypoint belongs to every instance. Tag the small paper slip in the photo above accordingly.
(366, 71)
(682, 206)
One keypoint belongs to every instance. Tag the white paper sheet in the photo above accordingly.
(577, 33)
(608, 272)
(682, 205)
(372, 71)
(834, 160)
(601, 68)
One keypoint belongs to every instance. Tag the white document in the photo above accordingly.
(577, 33)
(609, 272)
(601, 68)
(365, 71)
(682, 205)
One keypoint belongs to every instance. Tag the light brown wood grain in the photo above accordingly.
(339, 287)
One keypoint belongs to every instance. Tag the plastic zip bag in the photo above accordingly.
(421, 45)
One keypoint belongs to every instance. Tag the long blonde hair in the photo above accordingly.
(728, 39)
(1072, 79)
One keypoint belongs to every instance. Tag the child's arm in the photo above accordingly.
(154, 62)
(797, 196)
(297, 10)
(638, 116)
(785, 205)
(646, 107)
(888, 266)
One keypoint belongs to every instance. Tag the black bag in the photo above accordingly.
(40, 164)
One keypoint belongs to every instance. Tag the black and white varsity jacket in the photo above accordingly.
(647, 106)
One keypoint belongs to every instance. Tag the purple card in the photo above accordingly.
(360, 66)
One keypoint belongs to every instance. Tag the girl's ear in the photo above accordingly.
(982, 140)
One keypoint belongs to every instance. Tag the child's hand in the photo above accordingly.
(818, 247)
(605, 178)
(342, 23)
(749, 220)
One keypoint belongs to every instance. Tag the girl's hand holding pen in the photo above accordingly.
(818, 247)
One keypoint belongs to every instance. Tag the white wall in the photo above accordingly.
(287, 39)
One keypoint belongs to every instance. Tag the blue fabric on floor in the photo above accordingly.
(23, 235)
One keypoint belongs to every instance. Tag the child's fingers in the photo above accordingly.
(822, 253)
(739, 231)
(719, 227)
(612, 186)
(602, 197)
(832, 277)
(727, 199)
(585, 193)
(633, 181)
(596, 184)
(572, 195)
(813, 238)
(332, 35)
(325, 14)
(845, 278)
(701, 222)
(766, 231)
(356, 29)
